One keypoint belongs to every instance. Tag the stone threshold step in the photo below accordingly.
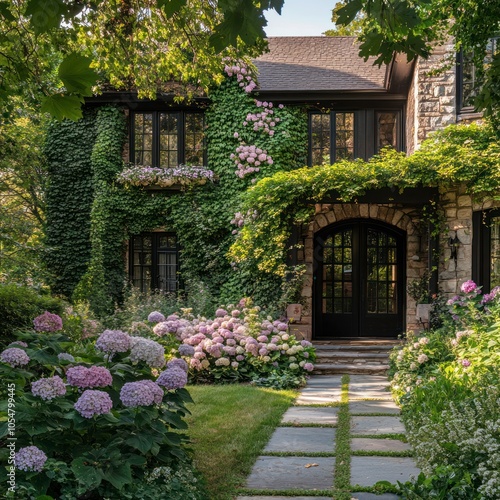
(332, 369)
(352, 354)
(355, 348)
(380, 342)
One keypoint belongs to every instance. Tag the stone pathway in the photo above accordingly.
(301, 453)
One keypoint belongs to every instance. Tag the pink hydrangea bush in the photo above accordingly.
(239, 344)
(48, 322)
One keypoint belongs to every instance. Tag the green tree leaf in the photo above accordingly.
(76, 74)
(45, 15)
(171, 7)
(62, 106)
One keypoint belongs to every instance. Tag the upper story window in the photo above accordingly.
(468, 76)
(347, 135)
(167, 139)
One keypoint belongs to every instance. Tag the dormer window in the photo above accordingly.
(167, 139)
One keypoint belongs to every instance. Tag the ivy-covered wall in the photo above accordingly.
(87, 234)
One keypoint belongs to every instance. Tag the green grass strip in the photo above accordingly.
(299, 454)
(374, 453)
(374, 414)
(295, 424)
(400, 437)
(288, 493)
(342, 474)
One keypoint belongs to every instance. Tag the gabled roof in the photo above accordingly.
(319, 63)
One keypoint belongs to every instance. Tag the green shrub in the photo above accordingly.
(19, 305)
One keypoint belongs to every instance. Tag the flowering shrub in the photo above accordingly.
(139, 175)
(447, 382)
(243, 74)
(248, 159)
(237, 345)
(93, 422)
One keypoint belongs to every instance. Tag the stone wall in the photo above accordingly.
(435, 96)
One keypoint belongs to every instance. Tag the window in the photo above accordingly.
(154, 262)
(486, 249)
(337, 135)
(324, 126)
(162, 139)
(468, 76)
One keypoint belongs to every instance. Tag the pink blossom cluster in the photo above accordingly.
(144, 175)
(233, 338)
(249, 158)
(92, 403)
(239, 219)
(48, 388)
(141, 393)
(48, 322)
(263, 120)
(14, 356)
(83, 377)
(243, 75)
(173, 325)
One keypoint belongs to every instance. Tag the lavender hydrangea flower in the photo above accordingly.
(49, 388)
(48, 322)
(220, 313)
(179, 363)
(83, 377)
(309, 367)
(149, 351)
(113, 341)
(65, 356)
(465, 363)
(14, 356)
(92, 403)
(30, 459)
(186, 350)
(468, 287)
(172, 378)
(156, 317)
(19, 343)
(141, 393)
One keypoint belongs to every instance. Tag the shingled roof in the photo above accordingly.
(319, 63)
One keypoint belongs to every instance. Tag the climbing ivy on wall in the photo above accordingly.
(69, 199)
(202, 217)
(109, 213)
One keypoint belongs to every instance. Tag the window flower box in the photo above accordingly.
(156, 178)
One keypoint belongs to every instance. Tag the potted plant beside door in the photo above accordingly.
(418, 290)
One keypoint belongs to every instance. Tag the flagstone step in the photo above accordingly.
(351, 357)
(349, 368)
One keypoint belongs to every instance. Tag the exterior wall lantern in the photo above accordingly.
(454, 244)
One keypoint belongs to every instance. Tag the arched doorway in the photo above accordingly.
(359, 277)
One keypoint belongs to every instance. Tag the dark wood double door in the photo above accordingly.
(359, 269)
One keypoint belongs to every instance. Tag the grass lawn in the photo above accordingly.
(229, 426)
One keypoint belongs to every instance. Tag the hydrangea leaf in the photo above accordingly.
(76, 74)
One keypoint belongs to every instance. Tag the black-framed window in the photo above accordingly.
(469, 78)
(154, 262)
(486, 249)
(167, 139)
(352, 134)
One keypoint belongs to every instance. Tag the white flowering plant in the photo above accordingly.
(447, 381)
(91, 419)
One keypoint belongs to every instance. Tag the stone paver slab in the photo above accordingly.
(369, 386)
(366, 471)
(366, 444)
(370, 496)
(284, 498)
(304, 415)
(281, 473)
(325, 381)
(304, 439)
(377, 425)
(389, 407)
(318, 395)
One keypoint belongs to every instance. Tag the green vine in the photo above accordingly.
(459, 154)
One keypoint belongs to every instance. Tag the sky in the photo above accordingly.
(300, 18)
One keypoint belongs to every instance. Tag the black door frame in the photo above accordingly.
(361, 252)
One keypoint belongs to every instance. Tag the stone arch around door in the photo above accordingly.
(414, 261)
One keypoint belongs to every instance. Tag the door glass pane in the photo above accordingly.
(320, 138)
(495, 252)
(381, 272)
(344, 136)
